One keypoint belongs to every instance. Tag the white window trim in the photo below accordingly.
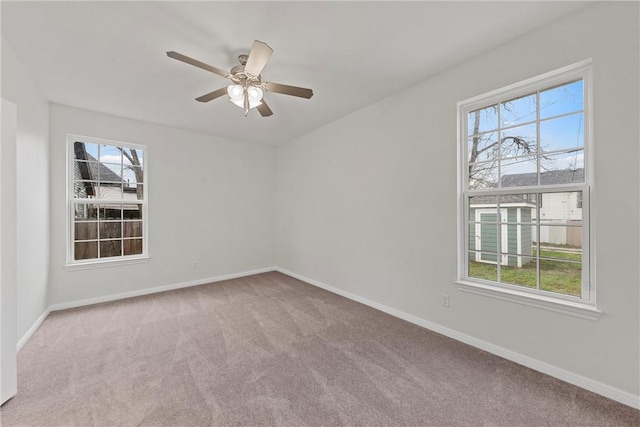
(72, 264)
(580, 307)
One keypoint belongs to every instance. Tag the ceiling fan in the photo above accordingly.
(247, 88)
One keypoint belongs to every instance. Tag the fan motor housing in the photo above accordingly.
(238, 74)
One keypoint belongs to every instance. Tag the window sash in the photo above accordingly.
(587, 291)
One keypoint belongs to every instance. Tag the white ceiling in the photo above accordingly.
(110, 56)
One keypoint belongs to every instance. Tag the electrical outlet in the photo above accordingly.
(446, 300)
(195, 265)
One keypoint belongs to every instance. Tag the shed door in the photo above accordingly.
(487, 236)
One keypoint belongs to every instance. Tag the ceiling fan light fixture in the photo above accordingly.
(236, 92)
(255, 94)
(236, 95)
(240, 103)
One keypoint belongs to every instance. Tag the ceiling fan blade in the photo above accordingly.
(212, 95)
(258, 57)
(196, 63)
(289, 90)
(264, 109)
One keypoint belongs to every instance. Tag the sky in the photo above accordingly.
(561, 130)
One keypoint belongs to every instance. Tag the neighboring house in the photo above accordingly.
(94, 179)
(561, 211)
(556, 208)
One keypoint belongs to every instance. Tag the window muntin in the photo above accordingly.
(107, 203)
(525, 188)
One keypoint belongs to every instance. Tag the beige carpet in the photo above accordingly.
(271, 350)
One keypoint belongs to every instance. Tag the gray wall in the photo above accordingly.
(367, 204)
(210, 202)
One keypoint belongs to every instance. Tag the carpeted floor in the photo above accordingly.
(271, 350)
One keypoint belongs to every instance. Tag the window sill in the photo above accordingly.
(584, 311)
(106, 263)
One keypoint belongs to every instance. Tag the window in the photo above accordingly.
(107, 201)
(524, 188)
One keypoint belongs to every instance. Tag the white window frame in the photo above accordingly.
(584, 306)
(73, 264)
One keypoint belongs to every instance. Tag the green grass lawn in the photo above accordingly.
(555, 276)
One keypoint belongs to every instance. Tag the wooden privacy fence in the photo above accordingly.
(112, 238)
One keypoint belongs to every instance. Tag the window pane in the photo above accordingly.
(136, 157)
(93, 171)
(85, 211)
(132, 246)
(517, 235)
(519, 205)
(85, 151)
(562, 133)
(111, 191)
(111, 211)
(132, 229)
(85, 171)
(525, 275)
(519, 110)
(86, 230)
(483, 175)
(132, 175)
(561, 207)
(85, 250)
(561, 277)
(519, 141)
(486, 233)
(569, 253)
(483, 120)
(480, 268)
(471, 234)
(91, 150)
(110, 248)
(110, 230)
(132, 211)
(519, 172)
(133, 192)
(563, 168)
(110, 172)
(483, 147)
(85, 189)
(561, 100)
(110, 154)
(561, 242)
(79, 190)
(482, 203)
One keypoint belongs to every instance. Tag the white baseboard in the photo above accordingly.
(139, 292)
(33, 329)
(546, 368)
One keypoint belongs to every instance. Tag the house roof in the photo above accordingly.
(563, 176)
(106, 174)
(504, 199)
